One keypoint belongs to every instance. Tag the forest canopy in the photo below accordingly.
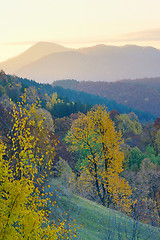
(51, 145)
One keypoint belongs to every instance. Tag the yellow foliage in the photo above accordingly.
(95, 133)
(33, 146)
(52, 101)
(23, 209)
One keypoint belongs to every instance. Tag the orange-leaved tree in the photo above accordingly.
(95, 134)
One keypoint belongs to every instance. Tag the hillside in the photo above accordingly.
(86, 98)
(144, 97)
(73, 100)
(99, 223)
(72, 195)
(47, 62)
(150, 82)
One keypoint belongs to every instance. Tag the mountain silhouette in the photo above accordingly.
(47, 62)
(32, 54)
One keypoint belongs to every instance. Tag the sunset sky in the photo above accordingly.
(76, 23)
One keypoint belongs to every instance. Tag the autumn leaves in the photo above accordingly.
(30, 156)
(101, 166)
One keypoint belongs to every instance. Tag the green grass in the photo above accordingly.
(99, 222)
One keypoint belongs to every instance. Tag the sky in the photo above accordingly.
(77, 23)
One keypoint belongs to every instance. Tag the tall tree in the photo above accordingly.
(32, 139)
(96, 135)
(25, 208)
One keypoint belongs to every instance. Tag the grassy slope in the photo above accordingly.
(99, 222)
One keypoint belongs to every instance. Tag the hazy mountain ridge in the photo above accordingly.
(47, 62)
(37, 51)
(109, 49)
(73, 100)
(129, 93)
(150, 82)
(55, 66)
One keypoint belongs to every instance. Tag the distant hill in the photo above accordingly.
(86, 98)
(47, 62)
(56, 66)
(32, 54)
(100, 63)
(73, 101)
(135, 94)
(150, 82)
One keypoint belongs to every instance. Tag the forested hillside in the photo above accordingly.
(150, 82)
(141, 94)
(72, 169)
(84, 97)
